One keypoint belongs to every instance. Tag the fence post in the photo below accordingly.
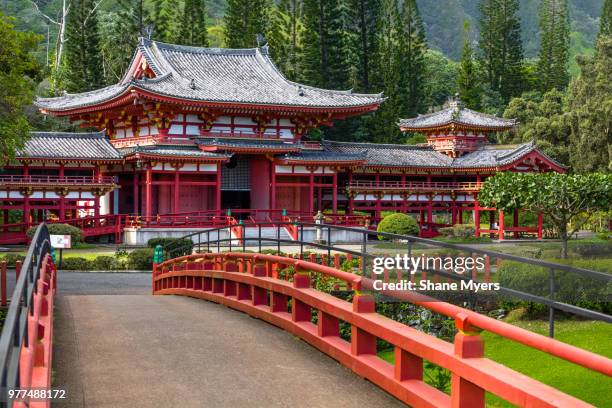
(3, 282)
(551, 309)
(468, 344)
(17, 270)
(363, 342)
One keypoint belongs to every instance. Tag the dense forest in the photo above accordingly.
(545, 62)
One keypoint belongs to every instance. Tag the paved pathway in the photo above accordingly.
(118, 346)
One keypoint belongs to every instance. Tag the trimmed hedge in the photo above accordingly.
(104, 263)
(571, 288)
(398, 223)
(60, 229)
(11, 259)
(76, 264)
(458, 231)
(173, 247)
(141, 259)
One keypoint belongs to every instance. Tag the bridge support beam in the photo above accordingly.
(468, 344)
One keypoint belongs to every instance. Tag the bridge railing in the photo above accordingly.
(213, 240)
(27, 334)
(254, 283)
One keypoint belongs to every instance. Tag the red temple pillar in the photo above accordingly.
(175, 204)
(540, 223)
(430, 209)
(501, 225)
(453, 213)
(136, 192)
(26, 209)
(311, 192)
(349, 210)
(476, 219)
(148, 187)
(335, 193)
(218, 190)
(62, 200)
(272, 187)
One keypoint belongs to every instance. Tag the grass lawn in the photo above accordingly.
(586, 385)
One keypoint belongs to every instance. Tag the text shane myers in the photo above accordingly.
(411, 264)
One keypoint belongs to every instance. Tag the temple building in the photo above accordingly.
(195, 132)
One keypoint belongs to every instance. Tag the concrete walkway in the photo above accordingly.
(131, 349)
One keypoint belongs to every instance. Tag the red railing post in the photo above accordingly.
(363, 342)
(300, 311)
(468, 344)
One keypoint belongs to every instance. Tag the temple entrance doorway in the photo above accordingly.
(235, 199)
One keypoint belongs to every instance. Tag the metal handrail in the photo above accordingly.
(15, 334)
(410, 241)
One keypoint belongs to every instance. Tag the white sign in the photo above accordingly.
(61, 241)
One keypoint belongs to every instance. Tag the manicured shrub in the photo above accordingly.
(173, 247)
(61, 229)
(398, 223)
(104, 263)
(76, 264)
(141, 259)
(11, 259)
(463, 231)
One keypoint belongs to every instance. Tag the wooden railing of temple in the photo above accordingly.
(283, 291)
(37, 180)
(414, 185)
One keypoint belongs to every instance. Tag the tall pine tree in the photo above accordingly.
(193, 24)
(605, 22)
(362, 22)
(244, 19)
(554, 45)
(412, 48)
(501, 46)
(386, 74)
(284, 36)
(165, 20)
(324, 58)
(83, 69)
(468, 82)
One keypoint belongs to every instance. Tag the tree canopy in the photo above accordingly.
(559, 197)
(19, 72)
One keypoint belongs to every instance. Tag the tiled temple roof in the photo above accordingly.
(456, 114)
(171, 151)
(324, 156)
(66, 145)
(391, 155)
(245, 76)
(236, 143)
(396, 155)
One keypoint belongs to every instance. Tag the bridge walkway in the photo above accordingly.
(116, 345)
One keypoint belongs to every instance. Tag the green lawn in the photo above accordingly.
(589, 386)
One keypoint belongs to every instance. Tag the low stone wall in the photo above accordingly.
(140, 236)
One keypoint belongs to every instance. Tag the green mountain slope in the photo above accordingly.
(443, 20)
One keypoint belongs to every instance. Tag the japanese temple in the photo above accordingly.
(206, 135)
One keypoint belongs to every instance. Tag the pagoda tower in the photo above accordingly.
(456, 130)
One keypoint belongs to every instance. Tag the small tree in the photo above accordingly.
(559, 197)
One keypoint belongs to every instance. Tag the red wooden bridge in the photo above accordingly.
(164, 351)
